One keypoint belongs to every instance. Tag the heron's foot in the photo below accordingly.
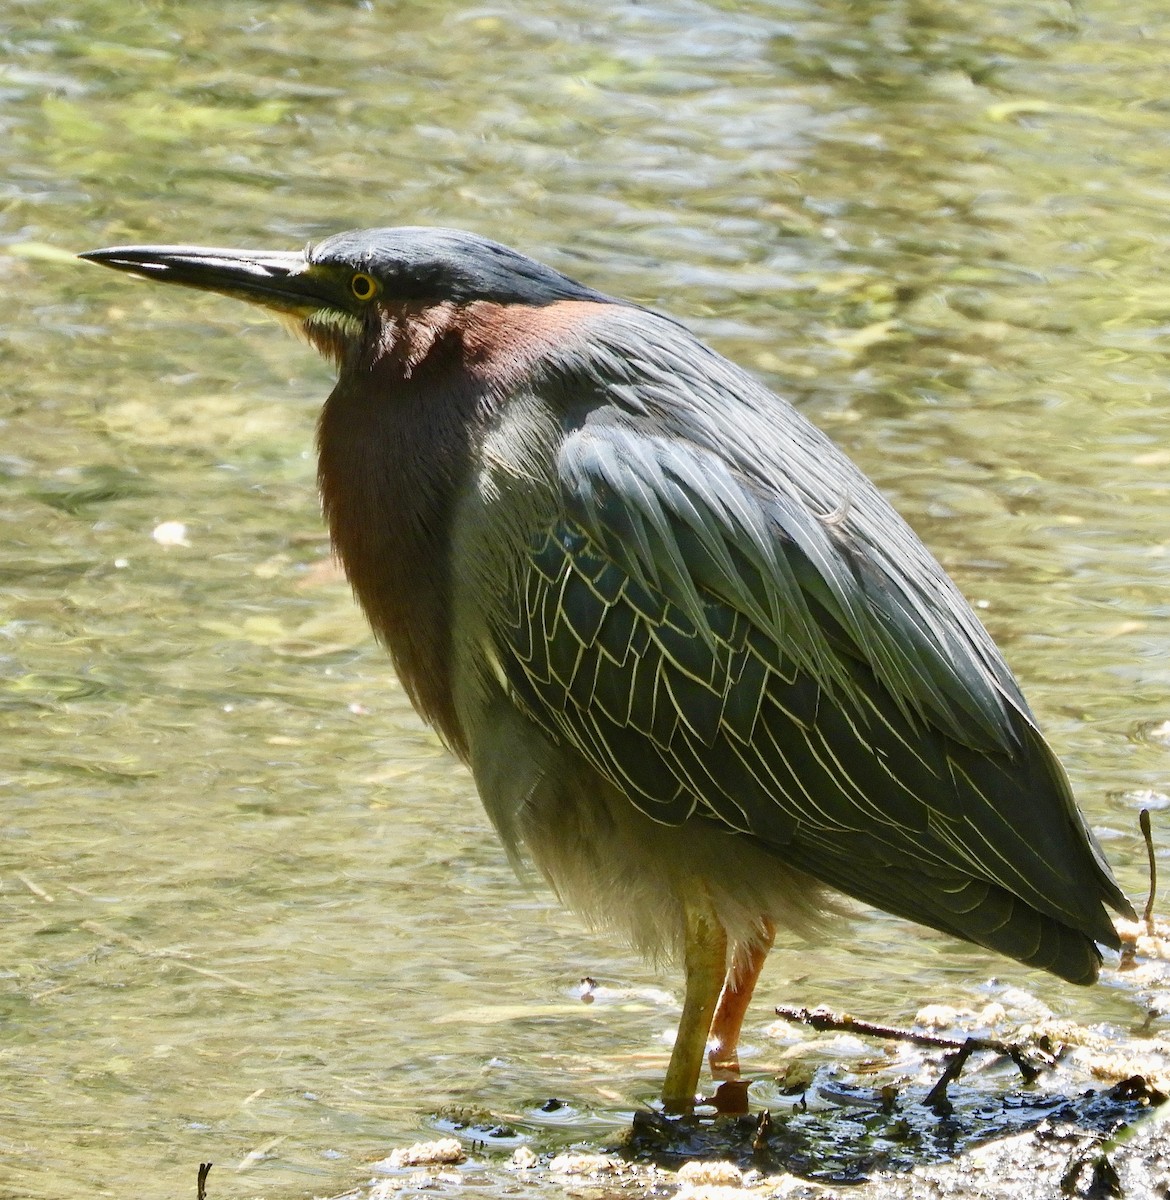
(724, 1061)
(731, 1097)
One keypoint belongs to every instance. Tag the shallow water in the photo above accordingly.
(248, 904)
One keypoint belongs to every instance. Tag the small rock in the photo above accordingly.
(583, 1164)
(698, 1174)
(938, 1016)
(792, 1187)
(523, 1158)
(170, 533)
(992, 1014)
(712, 1191)
(428, 1154)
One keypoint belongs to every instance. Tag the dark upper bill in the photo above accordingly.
(281, 280)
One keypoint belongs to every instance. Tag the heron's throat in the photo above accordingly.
(402, 334)
(330, 331)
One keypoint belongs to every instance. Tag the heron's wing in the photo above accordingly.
(714, 650)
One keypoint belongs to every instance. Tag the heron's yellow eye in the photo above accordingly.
(363, 286)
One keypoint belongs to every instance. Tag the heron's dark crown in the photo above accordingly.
(429, 265)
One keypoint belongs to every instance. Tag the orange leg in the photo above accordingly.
(733, 1004)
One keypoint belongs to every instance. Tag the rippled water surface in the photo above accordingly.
(249, 910)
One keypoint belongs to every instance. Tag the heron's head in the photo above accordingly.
(344, 294)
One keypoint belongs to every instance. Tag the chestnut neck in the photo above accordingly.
(395, 445)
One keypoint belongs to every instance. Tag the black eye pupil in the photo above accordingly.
(363, 287)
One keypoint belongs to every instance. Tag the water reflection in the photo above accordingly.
(246, 897)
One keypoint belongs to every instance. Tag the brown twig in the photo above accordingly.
(822, 1019)
(204, 1171)
(1130, 936)
(1144, 823)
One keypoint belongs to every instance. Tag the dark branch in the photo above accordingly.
(822, 1020)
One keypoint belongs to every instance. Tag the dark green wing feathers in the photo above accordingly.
(717, 645)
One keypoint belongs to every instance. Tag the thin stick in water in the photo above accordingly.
(1144, 822)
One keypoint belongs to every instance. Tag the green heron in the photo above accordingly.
(703, 674)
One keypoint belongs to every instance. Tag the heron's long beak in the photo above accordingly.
(280, 280)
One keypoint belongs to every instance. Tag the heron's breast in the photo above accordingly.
(394, 454)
